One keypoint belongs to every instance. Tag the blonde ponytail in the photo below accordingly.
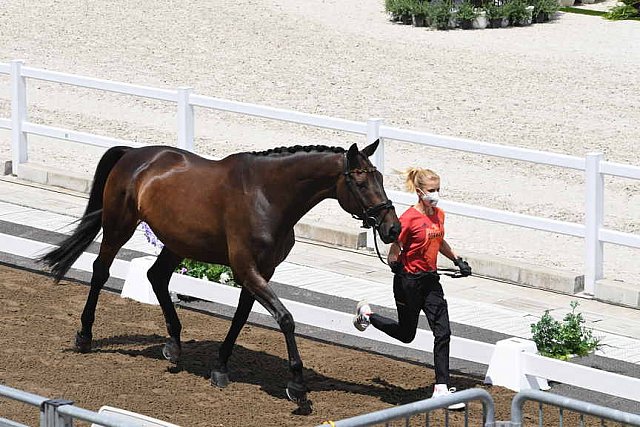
(418, 177)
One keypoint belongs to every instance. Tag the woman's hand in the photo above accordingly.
(465, 269)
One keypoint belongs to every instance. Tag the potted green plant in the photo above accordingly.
(517, 13)
(566, 339)
(419, 12)
(391, 7)
(496, 15)
(440, 14)
(404, 10)
(466, 14)
(543, 10)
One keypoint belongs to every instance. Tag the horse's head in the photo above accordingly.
(360, 192)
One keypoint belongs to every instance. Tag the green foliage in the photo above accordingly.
(399, 7)
(620, 12)
(516, 11)
(202, 270)
(545, 6)
(466, 11)
(421, 8)
(440, 14)
(494, 11)
(560, 340)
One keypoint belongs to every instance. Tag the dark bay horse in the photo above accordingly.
(239, 211)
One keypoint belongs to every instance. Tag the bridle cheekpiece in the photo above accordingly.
(368, 215)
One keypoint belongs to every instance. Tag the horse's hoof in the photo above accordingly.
(83, 343)
(171, 351)
(297, 393)
(219, 379)
(304, 408)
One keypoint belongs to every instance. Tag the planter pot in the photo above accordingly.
(440, 25)
(418, 20)
(453, 23)
(526, 21)
(541, 17)
(481, 21)
(498, 22)
(466, 24)
(406, 19)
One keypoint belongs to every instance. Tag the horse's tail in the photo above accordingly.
(62, 258)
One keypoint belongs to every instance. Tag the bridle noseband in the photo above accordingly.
(369, 215)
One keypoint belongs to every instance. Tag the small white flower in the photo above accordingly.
(224, 277)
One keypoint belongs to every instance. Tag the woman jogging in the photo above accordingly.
(416, 283)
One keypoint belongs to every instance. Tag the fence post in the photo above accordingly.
(185, 119)
(373, 133)
(594, 213)
(49, 415)
(19, 153)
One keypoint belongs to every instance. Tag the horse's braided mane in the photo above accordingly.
(298, 149)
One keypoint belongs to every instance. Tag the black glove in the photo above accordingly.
(396, 267)
(465, 269)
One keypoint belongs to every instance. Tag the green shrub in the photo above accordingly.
(494, 11)
(620, 12)
(545, 6)
(466, 12)
(212, 272)
(421, 8)
(440, 14)
(516, 11)
(560, 340)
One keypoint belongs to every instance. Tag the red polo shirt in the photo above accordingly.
(421, 238)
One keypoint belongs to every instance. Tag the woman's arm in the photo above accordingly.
(446, 250)
(394, 252)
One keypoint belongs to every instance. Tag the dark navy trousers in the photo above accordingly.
(413, 293)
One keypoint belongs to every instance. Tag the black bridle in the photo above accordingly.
(368, 216)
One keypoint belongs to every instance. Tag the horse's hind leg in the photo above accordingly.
(220, 375)
(159, 275)
(99, 277)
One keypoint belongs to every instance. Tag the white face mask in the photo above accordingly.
(431, 198)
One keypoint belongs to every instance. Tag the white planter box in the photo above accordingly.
(137, 286)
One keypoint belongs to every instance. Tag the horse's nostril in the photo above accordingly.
(395, 230)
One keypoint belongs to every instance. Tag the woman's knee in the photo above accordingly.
(407, 336)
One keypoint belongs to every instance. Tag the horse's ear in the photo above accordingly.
(352, 154)
(371, 148)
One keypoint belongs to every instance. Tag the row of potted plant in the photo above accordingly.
(445, 14)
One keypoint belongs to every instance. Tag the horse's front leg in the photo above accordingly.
(159, 275)
(220, 374)
(296, 388)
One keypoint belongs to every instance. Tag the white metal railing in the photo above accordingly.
(592, 164)
(60, 413)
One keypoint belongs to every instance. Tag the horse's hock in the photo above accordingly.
(348, 234)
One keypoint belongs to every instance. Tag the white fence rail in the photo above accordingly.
(593, 164)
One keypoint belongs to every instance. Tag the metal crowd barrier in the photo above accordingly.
(566, 403)
(405, 412)
(58, 412)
